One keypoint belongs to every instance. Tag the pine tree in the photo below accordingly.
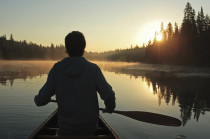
(163, 32)
(161, 27)
(193, 24)
(155, 38)
(207, 22)
(11, 38)
(199, 23)
(202, 20)
(176, 29)
(189, 29)
(169, 31)
(187, 12)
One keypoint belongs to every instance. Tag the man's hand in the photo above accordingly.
(107, 110)
(109, 105)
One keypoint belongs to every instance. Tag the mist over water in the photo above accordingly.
(178, 91)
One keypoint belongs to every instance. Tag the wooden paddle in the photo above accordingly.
(148, 117)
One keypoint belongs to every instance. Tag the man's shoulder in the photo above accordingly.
(61, 63)
(57, 64)
(91, 64)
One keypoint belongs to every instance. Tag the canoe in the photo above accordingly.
(48, 129)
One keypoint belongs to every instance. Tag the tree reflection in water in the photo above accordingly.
(11, 70)
(192, 93)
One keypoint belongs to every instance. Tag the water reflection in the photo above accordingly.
(192, 94)
(189, 88)
(11, 70)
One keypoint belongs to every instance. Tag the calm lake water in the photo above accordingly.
(181, 92)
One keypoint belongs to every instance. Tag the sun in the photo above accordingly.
(147, 32)
(159, 37)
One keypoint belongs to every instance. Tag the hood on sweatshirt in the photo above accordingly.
(72, 66)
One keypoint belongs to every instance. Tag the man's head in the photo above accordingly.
(75, 43)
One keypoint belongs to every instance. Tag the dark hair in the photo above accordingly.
(75, 43)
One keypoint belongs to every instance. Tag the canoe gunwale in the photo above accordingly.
(43, 125)
(109, 127)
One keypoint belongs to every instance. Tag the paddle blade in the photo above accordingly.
(151, 118)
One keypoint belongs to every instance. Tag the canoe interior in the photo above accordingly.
(49, 127)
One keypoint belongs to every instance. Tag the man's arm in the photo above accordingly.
(47, 91)
(105, 91)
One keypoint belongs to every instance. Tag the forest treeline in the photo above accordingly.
(22, 50)
(132, 54)
(187, 44)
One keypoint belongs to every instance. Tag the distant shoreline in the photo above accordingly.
(158, 64)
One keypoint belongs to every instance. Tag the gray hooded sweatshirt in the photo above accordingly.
(75, 82)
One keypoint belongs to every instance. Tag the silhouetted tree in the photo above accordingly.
(163, 32)
(169, 31)
(187, 45)
(11, 38)
(176, 30)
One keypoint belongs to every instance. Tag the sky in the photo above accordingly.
(106, 24)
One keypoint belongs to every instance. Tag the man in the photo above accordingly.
(75, 83)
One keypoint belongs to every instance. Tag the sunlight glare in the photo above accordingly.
(159, 37)
(147, 32)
